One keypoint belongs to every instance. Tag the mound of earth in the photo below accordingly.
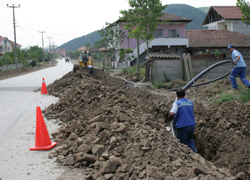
(135, 77)
(116, 131)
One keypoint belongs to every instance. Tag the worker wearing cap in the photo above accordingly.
(183, 113)
(239, 68)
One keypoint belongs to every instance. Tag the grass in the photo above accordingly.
(225, 97)
(109, 68)
(158, 84)
(98, 65)
(242, 95)
(132, 69)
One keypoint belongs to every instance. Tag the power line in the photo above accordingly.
(14, 22)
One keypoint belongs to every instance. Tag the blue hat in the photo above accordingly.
(230, 46)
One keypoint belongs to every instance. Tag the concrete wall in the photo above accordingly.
(174, 69)
(13, 66)
(239, 26)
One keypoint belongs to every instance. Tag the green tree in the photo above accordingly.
(94, 56)
(88, 45)
(112, 37)
(100, 43)
(122, 53)
(142, 20)
(245, 10)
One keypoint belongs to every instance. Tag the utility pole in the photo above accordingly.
(49, 48)
(5, 42)
(14, 22)
(42, 42)
(54, 51)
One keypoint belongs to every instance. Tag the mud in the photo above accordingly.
(116, 131)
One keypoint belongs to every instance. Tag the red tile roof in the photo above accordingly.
(218, 13)
(216, 38)
(173, 18)
(2, 38)
(81, 49)
(102, 49)
(228, 12)
(13, 43)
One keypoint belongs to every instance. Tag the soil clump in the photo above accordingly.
(116, 131)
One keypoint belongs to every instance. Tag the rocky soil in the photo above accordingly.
(116, 131)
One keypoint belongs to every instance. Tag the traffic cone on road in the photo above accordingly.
(44, 89)
(42, 139)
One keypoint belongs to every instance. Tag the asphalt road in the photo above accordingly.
(18, 102)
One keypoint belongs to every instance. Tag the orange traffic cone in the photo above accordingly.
(44, 89)
(42, 140)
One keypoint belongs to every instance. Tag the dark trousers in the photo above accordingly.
(238, 71)
(90, 70)
(185, 135)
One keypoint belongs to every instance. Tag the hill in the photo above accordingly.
(187, 11)
(182, 10)
(205, 9)
(76, 43)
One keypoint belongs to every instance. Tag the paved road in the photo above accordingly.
(18, 103)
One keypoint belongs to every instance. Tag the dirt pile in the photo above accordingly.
(116, 131)
(222, 135)
(135, 77)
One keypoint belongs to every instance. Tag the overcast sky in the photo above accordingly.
(66, 20)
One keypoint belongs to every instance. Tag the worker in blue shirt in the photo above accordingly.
(183, 113)
(239, 68)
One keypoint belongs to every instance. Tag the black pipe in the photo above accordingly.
(202, 83)
(190, 83)
(204, 72)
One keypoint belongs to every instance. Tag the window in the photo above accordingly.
(158, 33)
(8, 49)
(173, 33)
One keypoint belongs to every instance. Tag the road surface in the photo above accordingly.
(18, 102)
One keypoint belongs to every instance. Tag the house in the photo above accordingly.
(202, 40)
(82, 49)
(225, 18)
(169, 37)
(61, 52)
(91, 50)
(10, 45)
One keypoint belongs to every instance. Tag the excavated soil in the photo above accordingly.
(116, 131)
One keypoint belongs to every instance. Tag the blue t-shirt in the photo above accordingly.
(241, 62)
(184, 115)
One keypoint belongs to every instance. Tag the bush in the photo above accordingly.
(33, 63)
(158, 84)
(217, 53)
(167, 79)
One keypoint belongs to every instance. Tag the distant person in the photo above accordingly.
(183, 113)
(239, 68)
(90, 69)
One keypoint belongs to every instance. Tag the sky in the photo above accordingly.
(62, 21)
